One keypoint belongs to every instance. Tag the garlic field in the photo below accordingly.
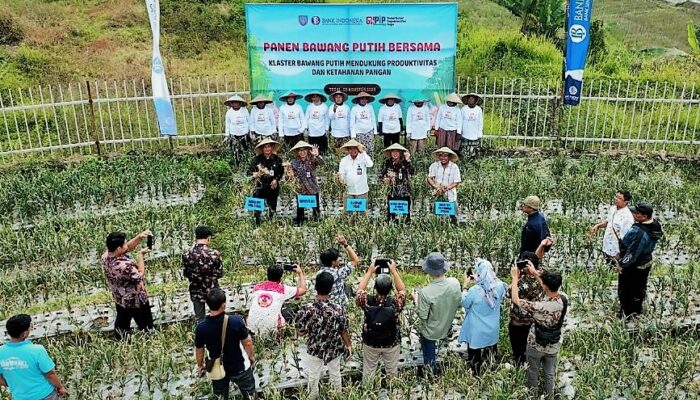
(54, 217)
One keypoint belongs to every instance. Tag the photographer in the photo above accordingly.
(544, 339)
(381, 336)
(265, 314)
(125, 280)
(201, 265)
(520, 322)
(330, 262)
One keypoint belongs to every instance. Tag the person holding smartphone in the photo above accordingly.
(266, 313)
(381, 335)
(520, 322)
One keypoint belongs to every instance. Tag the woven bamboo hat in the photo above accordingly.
(290, 94)
(453, 155)
(395, 146)
(233, 98)
(453, 98)
(353, 143)
(321, 95)
(345, 96)
(361, 95)
(260, 98)
(476, 97)
(301, 145)
(396, 98)
(275, 146)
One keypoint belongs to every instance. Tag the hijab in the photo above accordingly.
(487, 280)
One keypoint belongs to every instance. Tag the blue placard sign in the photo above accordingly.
(306, 201)
(254, 204)
(356, 205)
(445, 208)
(398, 207)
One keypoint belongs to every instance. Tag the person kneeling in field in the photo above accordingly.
(266, 314)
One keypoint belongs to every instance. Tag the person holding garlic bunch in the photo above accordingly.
(266, 170)
(396, 172)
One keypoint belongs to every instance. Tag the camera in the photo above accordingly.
(470, 273)
(382, 266)
(149, 242)
(289, 267)
(522, 264)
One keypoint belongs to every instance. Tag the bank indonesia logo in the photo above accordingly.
(303, 20)
(157, 65)
(577, 33)
(316, 20)
(573, 91)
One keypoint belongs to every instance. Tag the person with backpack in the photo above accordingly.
(381, 336)
(544, 339)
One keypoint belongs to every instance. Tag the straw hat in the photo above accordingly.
(453, 98)
(453, 155)
(395, 146)
(301, 145)
(308, 97)
(275, 146)
(533, 202)
(233, 98)
(260, 98)
(360, 95)
(345, 96)
(478, 98)
(290, 94)
(396, 98)
(353, 143)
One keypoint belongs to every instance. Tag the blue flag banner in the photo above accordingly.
(306, 201)
(578, 37)
(398, 207)
(445, 208)
(356, 205)
(254, 204)
(159, 84)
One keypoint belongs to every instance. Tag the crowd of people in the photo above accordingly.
(537, 308)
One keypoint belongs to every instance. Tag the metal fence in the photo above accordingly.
(116, 116)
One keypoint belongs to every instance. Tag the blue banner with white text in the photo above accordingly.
(159, 84)
(578, 37)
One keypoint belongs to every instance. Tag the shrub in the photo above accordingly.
(10, 33)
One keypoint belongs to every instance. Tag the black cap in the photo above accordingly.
(202, 232)
(643, 208)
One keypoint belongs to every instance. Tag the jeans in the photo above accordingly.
(518, 341)
(537, 360)
(244, 380)
(371, 357)
(477, 357)
(632, 290)
(314, 367)
(199, 310)
(429, 348)
(142, 316)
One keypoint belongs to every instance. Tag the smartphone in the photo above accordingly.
(382, 265)
(470, 273)
(149, 242)
(289, 267)
(522, 264)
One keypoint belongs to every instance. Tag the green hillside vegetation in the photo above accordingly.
(71, 40)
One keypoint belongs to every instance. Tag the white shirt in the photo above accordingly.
(418, 122)
(317, 119)
(446, 176)
(340, 120)
(448, 118)
(619, 222)
(389, 118)
(237, 122)
(354, 173)
(472, 123)
(267, 298)
(362, 120)
(291, 120)
(263, 121)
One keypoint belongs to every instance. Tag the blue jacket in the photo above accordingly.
(534, 231)
(637, 246)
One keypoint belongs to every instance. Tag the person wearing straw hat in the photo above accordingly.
(396, 172)
(237, 126)
(262, 118)
(339, 116)
(292, 122)
(448, 123)
(304, 168)
(390, 119)
(417, 124)
(363, 122)
(536, 230)
(317, 120)
(472, 124)
(352, 171)
(266, 170)
(444, 176)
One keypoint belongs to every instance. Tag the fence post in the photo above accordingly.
(92, 115)
(557, 111)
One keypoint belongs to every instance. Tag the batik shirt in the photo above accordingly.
(530, 290)
(322, 322)
(399, 301)
(202, 266)
(305, 171)
(399, 175)
(546, 312)
(124, 280)
(338, 295)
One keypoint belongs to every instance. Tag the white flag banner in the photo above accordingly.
(159, 84)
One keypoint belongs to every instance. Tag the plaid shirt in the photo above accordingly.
(202, 266)
(322, 322)
(338, 294)
(124, 280)
(528, 289)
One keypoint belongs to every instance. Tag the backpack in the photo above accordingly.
(545, 336)
(380, 328)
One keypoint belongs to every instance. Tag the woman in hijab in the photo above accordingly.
(482, 294)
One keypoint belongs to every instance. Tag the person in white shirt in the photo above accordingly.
(448, 123)
(339, 115)
(237, 128)
(363, 123)
(618, 223)
(390, 119)
(472, 124)
(292, 122)
(262, 118)
(352, 171)
(317, 120)
(444, 176)
(266, 315)
(417, 124)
